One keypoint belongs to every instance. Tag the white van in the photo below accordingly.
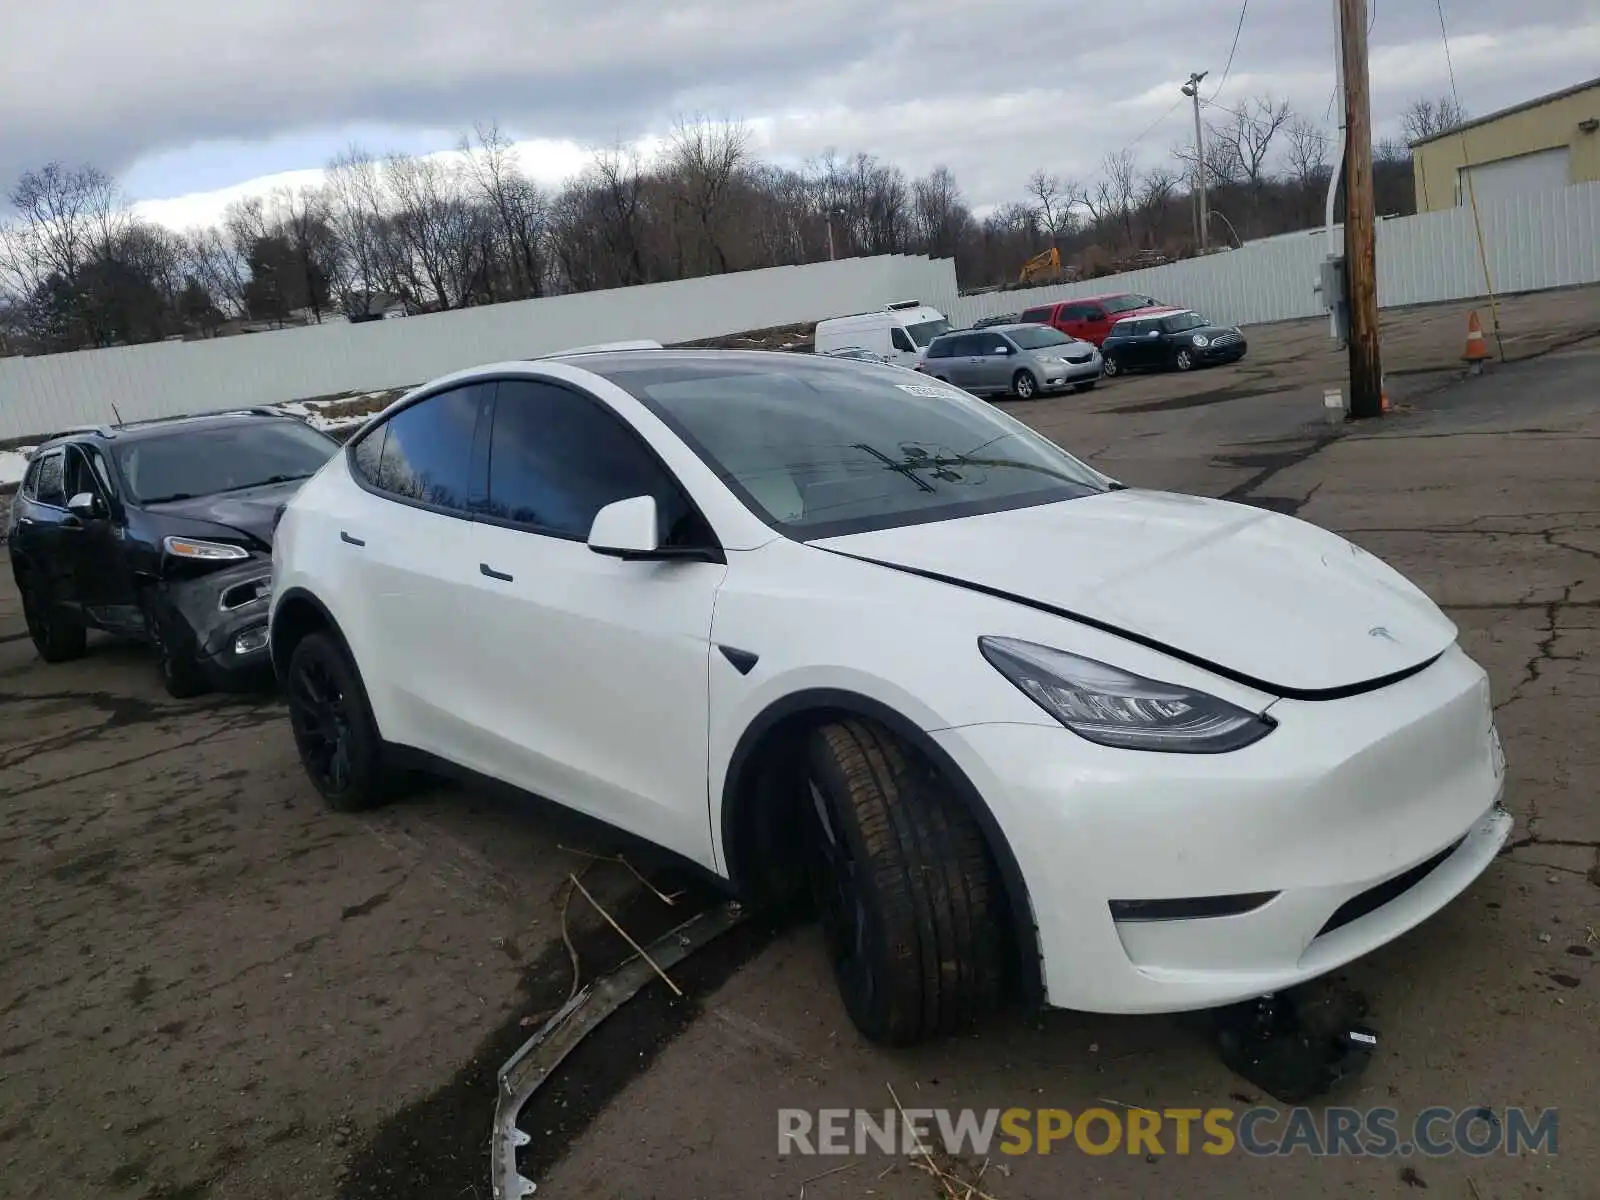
(899, 331)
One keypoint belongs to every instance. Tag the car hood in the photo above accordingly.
(1262, 598)
(250, 511)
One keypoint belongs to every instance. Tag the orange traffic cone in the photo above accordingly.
(1477, 351)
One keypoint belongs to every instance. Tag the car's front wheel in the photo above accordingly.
(1024, 386)
(1109, 367)
(58, 634)
(173, 641)
(1184, 360)
(905, 885)
(333, 727)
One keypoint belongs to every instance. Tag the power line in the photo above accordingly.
(1232, 50)
(1149, 129)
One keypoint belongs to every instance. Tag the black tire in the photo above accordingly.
(176, 660)
(1086, 386)
(1183, 360)
(58, 634)
(1024, 386)
(1109, 367)
(333, 727)
(907, 891)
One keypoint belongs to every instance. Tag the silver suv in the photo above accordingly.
(1018, 360)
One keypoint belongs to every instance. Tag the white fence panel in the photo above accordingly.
(1263, 281)
(1533, 241)
(168, 378)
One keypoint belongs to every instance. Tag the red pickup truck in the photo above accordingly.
(1090, 318)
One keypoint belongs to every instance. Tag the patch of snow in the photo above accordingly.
(14, 464)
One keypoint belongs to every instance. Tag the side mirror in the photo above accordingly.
(87, 506)
(626, 529)
(1154, 333)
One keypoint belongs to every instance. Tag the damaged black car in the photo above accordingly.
(161, 531)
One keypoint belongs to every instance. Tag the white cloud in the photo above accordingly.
(991, 91)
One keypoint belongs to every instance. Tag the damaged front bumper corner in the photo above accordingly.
(226, 611)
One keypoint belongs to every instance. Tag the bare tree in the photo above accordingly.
(704, 160)
(437, 228)
(939, 216)
(66, 217)
(1248, 134)
(1155, 192)
(1055, 208)
(520, 208)
(1424, 118)
(1306, 153)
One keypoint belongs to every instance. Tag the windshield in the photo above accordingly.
(925, 331)
(1182, 322)
(1037, 337)
(818, 450)
(1122, 304)
(222, 458)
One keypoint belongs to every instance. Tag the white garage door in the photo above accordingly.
(1541, 171)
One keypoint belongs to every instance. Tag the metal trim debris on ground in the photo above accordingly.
(537, 1058)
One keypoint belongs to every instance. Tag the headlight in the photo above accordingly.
(1201, 340)
(1114, 708)
(204, 551)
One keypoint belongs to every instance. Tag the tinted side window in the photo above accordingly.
(78, 476)
(940, 348)
(996, 345)
(366, 456)
(427, 448)
(1094, 314)
(556, 458)
(900, 338)
(1035, 316)
(48, 483)
(967, 344)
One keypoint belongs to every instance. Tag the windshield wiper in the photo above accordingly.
(168, 499)
(272, 479)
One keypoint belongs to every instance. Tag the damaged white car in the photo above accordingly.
(816, 624)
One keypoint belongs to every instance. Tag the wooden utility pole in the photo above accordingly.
(1192, 90)
(1360, 216)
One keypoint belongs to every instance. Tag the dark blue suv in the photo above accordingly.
(161, 531)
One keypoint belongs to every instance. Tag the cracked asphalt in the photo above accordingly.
(210, 987)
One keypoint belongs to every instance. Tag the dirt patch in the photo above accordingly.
(434, 1148)
(779, 337)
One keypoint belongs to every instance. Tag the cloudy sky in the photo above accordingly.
(193, 102)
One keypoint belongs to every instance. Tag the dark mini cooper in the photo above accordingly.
(161, 531)
(1184, 340)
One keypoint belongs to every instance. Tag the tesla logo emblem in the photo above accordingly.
(1378, 631)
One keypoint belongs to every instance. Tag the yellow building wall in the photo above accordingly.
(1543, 127)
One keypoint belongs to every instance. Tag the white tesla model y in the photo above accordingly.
(823, 625)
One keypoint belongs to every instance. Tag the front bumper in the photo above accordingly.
(1342, 799)
(226, 612)
(1232, 352)
(1059, 376)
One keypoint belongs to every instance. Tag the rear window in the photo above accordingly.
(1036, 316)
(820, 449)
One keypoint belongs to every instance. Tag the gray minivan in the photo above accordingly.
(1018, 360)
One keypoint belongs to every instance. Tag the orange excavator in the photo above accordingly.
(1041, 268)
